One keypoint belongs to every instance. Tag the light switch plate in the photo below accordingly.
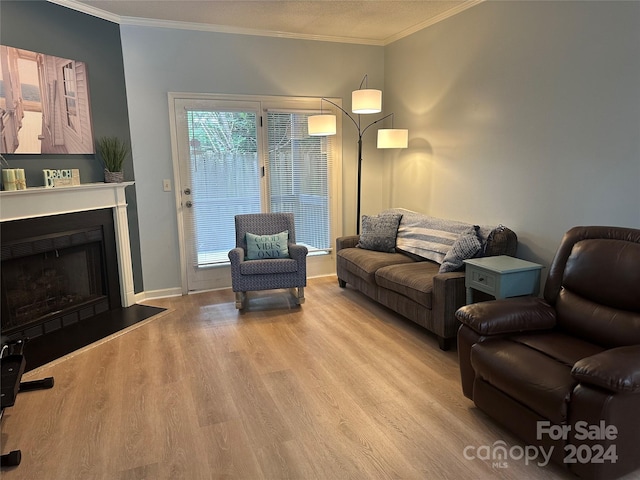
(166, 185)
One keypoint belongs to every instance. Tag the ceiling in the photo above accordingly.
(367, 21)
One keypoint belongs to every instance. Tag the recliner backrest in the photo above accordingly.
(594, 284)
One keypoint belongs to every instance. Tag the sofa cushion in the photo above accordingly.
(513, 366)
(379, 232)
(364, 263)
(414, 280)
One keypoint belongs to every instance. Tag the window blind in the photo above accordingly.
(298, 172)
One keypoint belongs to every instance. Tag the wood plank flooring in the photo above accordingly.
(340, 388)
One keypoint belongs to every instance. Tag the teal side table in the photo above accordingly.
(501, 276)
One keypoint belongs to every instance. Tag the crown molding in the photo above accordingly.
(432, 21)
(147, 22)
(88, 9)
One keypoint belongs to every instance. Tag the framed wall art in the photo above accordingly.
(44, 104)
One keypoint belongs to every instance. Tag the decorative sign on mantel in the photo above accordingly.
(61, 178)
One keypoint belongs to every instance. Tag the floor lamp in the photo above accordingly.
(363, 101)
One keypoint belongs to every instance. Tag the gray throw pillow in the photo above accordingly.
(379, 232)
(467, 245)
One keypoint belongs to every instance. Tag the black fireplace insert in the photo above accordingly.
(57, 271)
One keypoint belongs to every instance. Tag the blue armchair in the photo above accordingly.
(267, 273)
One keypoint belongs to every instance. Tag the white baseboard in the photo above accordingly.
(177, 291)
(164, 293)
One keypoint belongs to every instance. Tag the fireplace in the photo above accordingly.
(69, 249)
(56, 271)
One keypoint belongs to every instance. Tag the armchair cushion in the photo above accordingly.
(616, 370)
(511, 315)
(268, 266)
(263, 247)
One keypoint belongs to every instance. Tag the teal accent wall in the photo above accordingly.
(55, 30)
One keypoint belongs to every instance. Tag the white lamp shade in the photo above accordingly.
(319, 125)
(366, 101)
(393, 138)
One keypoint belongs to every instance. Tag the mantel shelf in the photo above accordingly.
(41, 202)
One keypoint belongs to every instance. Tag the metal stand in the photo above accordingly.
(13, 363)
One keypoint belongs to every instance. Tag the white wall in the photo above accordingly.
(521, 113)
(161, 60)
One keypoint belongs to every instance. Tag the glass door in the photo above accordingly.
(220, 175)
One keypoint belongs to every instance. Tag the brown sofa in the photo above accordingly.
(411, 285)
(563, 372)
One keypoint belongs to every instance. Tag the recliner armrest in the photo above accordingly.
(511, 315)
(616, 370)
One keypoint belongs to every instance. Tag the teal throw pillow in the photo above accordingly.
(260, 247)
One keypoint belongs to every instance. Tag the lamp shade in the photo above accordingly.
(321, 125)
(393, 138)
(366, 101)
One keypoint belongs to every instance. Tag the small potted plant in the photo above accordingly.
(112, 152)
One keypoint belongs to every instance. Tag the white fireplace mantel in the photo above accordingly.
(43, 202)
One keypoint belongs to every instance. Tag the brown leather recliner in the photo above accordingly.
(564, 371)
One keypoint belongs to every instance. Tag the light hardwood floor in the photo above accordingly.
(337, 389)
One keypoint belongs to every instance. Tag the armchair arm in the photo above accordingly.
(297, 252)
(236, 256)
(347, 242)
(510, 315)
(616, 370)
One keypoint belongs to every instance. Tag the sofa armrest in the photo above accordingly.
(616, 370)
(448, 296)
(446, 283)
(349, 241)
(510, 315)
